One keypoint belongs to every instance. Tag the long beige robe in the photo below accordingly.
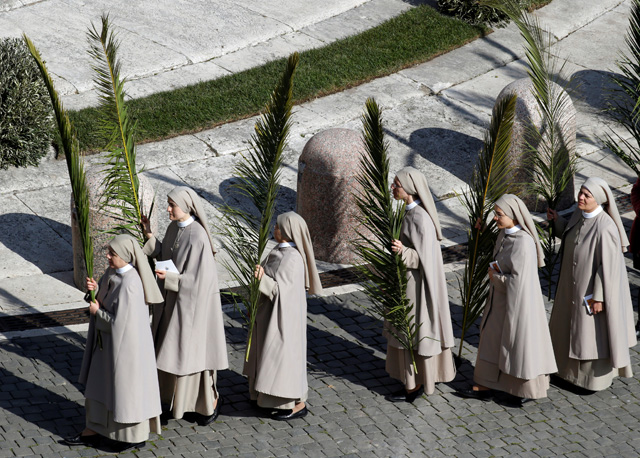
(427, 290)
(188, 328)
(592, 349)
(122, 397)
(277, 365)
(515, 352)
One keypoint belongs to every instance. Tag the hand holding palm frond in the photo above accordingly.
(74, 161)
(625, 106)
(122, 189)
(489, 181)
(247, 230)
(386, 273)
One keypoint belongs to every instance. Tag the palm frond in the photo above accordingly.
(75, 164)
(625, 103)
(257, 178)
(552, 161)
(489, 181)
(386, 274)
(121, 197)
(551, 254)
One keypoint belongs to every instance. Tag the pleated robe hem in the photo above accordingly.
(489, 375)
(269, 401)
(189, 393)
(100, 420)
(594, 375)
(431, 369)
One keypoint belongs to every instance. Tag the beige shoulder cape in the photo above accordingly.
(278, 360)
(609, 334)
(122, 374)
(427, 285)
(188, 328)
(514, 328)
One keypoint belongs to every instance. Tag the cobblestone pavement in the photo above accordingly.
(40, 401)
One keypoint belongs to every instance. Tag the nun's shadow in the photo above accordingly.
(453, 151)
(286, 200)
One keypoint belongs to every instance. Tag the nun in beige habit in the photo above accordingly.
(188, 329)
(591, 342)
(515, 353)
(118, 368)
(277, 364)
(426, 288)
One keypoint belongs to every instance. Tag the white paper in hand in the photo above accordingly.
(588, 303)
(168, 265)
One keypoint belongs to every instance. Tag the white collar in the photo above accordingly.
(513, 230)
(286, 245)
(124, 269)
(186, 222)
(594, 213)
(414, 204)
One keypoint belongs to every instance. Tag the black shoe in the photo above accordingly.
(404, 396)
(483, 395)
(119, 447)
(204, 420)
(165, 417)
(512, 401)
(89, 440)
(283, 415)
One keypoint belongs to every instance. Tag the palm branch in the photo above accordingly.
(625, 105)
(552, 161)
(489, 181)
(121, 197)
(75, 164)
(386, 274)
(257, 178)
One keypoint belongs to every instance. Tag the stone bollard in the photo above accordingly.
(327, 171)
(528, 114)
(100, 222)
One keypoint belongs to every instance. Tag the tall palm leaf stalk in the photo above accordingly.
(386, 273)
(553, 161)
(489, 181)
(121, 197)
(625, 105)
(75, 165)
(257, 178)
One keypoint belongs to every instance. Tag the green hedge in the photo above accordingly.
(26, 120)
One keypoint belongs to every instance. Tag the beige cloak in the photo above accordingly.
(427, 290)
(277, 365)
(592, 349)
(122, 397)
(188, 328)
(515, 352)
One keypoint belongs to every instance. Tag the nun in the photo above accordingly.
(592, 318)
(426, 289)
(277, 363)
(188, 328)
(515, 354)
(118, 368)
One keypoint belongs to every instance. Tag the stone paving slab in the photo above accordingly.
(167, 45)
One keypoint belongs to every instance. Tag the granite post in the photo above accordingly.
(327, 171)
(101, 221)
(528, 115)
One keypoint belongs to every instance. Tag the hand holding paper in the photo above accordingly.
(167, 266)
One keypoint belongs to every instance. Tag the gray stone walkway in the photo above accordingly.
(40, 401)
